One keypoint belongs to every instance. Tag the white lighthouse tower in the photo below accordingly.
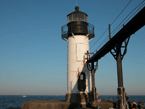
(78, 32)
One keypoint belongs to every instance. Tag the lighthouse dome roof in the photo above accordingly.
(77, 16)
(77, 11)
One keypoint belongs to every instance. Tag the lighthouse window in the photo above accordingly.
(70, 18)
(81, 17)
(81, 77)
(75, 17)
(86, 19)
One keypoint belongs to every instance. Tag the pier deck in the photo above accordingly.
(53, 104)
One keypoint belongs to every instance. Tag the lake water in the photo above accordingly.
(15, 101)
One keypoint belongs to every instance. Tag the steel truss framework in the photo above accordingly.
(114, 46)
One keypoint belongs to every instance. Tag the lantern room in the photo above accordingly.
(77, 16)
(77, 25)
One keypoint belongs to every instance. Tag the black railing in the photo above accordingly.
(77, 29)
(64, 32)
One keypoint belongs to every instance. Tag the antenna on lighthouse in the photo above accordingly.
(76, 2)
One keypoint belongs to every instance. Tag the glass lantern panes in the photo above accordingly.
(86, 18)
(81, 17)
(77, 16)
(69, 18)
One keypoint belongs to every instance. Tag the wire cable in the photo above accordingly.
(134, 14)
(111, 24)
(119, 26)
(102, 43)
(127, 16)
(99, 38)
(121, 11)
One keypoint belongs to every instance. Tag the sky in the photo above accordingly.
(33, 57)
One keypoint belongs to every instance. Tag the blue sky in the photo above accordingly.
(33, 57)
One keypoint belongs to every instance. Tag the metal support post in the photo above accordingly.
(93, 82)
(121, 89)
(118, 57)
(91, 67)
(119, 65)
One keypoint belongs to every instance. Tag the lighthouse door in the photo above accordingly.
(82, 82)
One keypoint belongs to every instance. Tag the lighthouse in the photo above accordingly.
(78, 32)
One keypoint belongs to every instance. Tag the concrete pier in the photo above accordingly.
(53, 104)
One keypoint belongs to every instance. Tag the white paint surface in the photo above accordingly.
(78, 45)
